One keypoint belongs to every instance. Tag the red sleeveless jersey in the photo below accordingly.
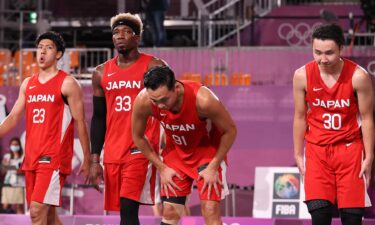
(185, 132)
(121, 87)
(332, 114)
(49, 126)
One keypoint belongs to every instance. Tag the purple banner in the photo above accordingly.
(291, 25)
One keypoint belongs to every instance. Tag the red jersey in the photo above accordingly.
(121, 87)
(333, 114)
(185, 132)
(49, 126)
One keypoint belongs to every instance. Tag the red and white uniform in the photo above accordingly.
(127, 172)
(334, 148)
(49, 139)
(189, 145)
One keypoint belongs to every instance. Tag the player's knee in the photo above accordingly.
(36, 212)
(171, 211)
(321, 211)
(351, 216)
(210, 209)
(170, 215)
(319, 204)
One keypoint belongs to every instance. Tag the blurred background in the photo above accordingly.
(245, 50)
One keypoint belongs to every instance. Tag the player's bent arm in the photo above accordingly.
(299, 122)
(98, 120)
(17, 111)
(209, 106)
(363, 87)
(72, 90)
(142, 110)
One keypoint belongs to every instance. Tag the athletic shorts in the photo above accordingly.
(44, 186)
(157, 190)
(332, 173)
(187, 180)
(134, 180)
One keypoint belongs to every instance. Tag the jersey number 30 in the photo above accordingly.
(332, 121)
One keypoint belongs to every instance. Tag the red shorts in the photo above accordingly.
(44, 186)
(332, 174)
(134, 180)
(189, 175)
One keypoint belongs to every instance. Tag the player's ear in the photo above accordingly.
(59, 55)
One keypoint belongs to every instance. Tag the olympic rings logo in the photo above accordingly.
(296, 35)
(371, 68)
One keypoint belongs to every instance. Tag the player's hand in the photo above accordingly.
(211, 180)
(301, 166)
(166, 181)
(96, 175)
(85, 169)
(366, 170)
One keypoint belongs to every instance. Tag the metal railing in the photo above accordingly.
(221, 19)
(79, 62)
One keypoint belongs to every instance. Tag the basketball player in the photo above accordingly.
(53, 101)
(191, 153)
(129, 177)
(333, 100)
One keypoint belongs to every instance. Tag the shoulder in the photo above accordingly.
(300, 72)
(156, 62)
(24, 84)
(299, 77)
(143, 103)
(99, 70)
(360, 78)
(143, 98)
(69, 84)
(205, 98)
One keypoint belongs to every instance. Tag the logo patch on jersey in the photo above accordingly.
(45, 159)
(163, 114)
(317, 89)
(111, 74)
(135, 151)
(31, 87)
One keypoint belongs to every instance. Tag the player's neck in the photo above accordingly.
(128, 57)
(47, 73)
(333, 70)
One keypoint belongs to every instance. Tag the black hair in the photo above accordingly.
(55, 37)
(329, 32)
(159, 76)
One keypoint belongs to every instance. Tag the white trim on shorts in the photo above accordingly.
(146, 197)
(225, 189)
(52, 196)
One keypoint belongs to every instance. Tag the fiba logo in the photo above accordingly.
(286, 186)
